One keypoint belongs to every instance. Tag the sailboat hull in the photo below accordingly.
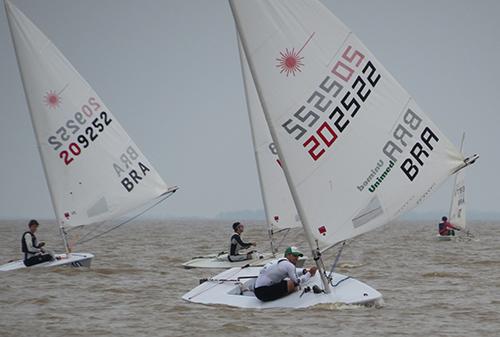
(445, 237)
(220, 261)
(234, 287)
(72, 259)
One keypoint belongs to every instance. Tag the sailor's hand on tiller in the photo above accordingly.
(313, 270)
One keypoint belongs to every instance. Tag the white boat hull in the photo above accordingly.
(234, 287)
(72, 259)
(221, 261)
(445, 237)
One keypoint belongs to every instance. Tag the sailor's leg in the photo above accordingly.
(31, 261)
(37, 259)
(236, 258)
(46, 258)
(272, 292)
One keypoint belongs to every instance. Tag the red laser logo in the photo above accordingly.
(52, 99)
(290, 61)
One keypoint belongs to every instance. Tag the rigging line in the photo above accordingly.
(167, 195)
(339, 282)
(231, 280)
(71, 230)
(214, 285)
(283, 238)
(336, 259)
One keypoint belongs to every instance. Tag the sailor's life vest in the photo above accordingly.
(24, 247)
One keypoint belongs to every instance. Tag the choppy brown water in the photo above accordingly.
(135, 284)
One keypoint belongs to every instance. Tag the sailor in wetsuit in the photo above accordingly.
(32, 249)
(280, 278)
(237, 244)
(446, 228)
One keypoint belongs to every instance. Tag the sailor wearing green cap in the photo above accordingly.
(280, 278)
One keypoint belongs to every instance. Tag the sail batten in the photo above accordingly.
(94, 170)
(357, 149)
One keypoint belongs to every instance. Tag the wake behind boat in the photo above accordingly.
(94, 170)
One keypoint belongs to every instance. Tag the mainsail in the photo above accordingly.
(278, 203)
(357, 150)
(94, 171)
(457, 208)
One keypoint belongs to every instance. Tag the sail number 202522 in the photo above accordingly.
(328, 111)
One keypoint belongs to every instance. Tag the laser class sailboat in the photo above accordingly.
(356, 149)
(457, 216)
(94, 170)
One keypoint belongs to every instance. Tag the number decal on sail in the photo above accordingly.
(53, 141)
(273, 149)
(334, 103)
(72, 126)
(327, 140)
(85, 138)
(312, 149)
(90, 132)
(105, 118)
(93, 102)
(292, 129)
(370, 66)
(65, 156)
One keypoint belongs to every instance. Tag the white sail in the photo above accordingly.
(357, 150)
(278, 203)
(95, 172)
(457, 208)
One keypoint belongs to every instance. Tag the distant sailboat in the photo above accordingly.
(457, 216)
(95, 172)
(457, 206)
(356, 150)
(280, 211)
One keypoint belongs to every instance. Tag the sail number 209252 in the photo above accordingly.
(86, 126)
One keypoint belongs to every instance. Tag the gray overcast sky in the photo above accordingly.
(169, 71)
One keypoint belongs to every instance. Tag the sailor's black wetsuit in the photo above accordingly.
(32, 250)
(234, 248)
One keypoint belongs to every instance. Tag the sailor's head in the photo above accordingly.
(293, 254)
(238, 227)
(444, 218)
(33, 225)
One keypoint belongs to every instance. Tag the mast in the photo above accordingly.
(310, 239)
(51, 191)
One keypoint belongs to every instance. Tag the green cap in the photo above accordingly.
(293, 251)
